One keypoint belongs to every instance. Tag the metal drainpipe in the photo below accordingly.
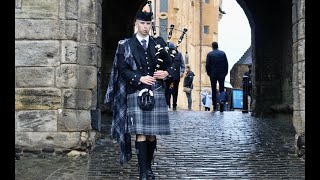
(155, 12)
(200, 52)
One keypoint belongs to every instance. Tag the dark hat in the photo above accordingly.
(171, 45)
(144, 16)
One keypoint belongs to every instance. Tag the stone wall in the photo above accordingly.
(298, 56)
(57, 55)
(236, 75)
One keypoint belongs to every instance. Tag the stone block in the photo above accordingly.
(301, 74)
(38, 9)
(100, 1)
(67, 76)
(296, 102)
(98, 54)
(302, 99)
(74, 120)
(294, 53)
(46, 29)
(37, 98)
(69, 52)
(37, 53)
(35, 77)
(36, 120)
(94, 98)
(99, 15)
(18, 4)
(295, 33)
(301, 29)
(301, 9)
(87, 54)
(294, 13)
(76, 99)
(88, 33)
(71, 9)
(40, 140)
(99, 37)
(87, 11)
(301, 50)
(87, 77)
(299, 126)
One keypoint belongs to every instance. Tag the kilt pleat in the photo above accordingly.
(148, 122)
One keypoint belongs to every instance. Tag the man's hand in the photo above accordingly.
(160, 74)
(149, 80)
(181, 75)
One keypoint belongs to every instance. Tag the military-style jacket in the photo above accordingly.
(135, 62)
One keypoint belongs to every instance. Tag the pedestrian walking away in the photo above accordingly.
(217, 69)
(136, 93)
(188, 85)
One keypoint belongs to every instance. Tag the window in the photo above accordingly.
(206, 1)
(206, 30)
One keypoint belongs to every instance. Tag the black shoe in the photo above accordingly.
(175, 108)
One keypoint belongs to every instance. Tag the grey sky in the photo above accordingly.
(234, 36)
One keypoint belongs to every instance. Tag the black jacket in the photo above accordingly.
(188, 80)
(132, 51)
(216, 63)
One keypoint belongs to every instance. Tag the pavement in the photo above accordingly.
(202, 145)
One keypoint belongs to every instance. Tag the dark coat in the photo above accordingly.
(216, 63)
(188, 80)
(176, 75)
(133, 73)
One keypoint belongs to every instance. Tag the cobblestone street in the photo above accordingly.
(202, 145)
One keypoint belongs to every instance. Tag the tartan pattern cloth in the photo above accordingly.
(116, 95)
(153, 122)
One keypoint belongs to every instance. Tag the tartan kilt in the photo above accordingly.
(148, 122)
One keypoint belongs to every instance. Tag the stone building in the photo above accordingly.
(63, 46)
(239, 68)
(196, 17)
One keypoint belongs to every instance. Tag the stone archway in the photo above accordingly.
(278, 53)
(61, 45)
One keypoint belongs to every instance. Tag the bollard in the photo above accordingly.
(245, 86)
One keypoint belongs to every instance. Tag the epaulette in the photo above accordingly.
(123, 41)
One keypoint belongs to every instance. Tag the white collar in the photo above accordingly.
(140, 39)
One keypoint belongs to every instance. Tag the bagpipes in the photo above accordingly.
(146, 99)
(163, 52)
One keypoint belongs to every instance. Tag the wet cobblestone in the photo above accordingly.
(203, 145)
